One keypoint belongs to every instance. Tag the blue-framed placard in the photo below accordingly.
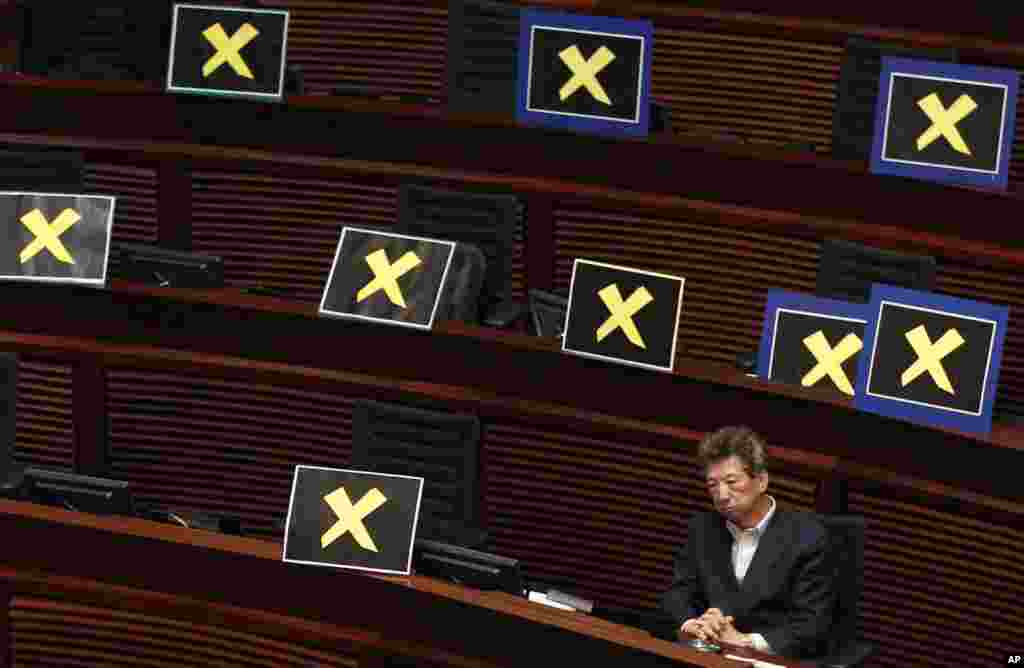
(584, 73)
(931, 359)
(945, 122)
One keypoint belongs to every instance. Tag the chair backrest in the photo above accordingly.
(8, 412)
(848, 269)
(846, 541)
(857, 91)
(108, 39)
(460, 296)
(41, 169)
(483, 48)
(443, 448)
(548, 311)
(488, 221)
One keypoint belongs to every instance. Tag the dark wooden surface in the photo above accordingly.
(212, 420)
(118, 563)
(698, 396)
(700, 169)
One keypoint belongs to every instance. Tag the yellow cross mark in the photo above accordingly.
(830, 360)
(944, 121)
(386, 275)
(227, 49)
(929, 356)
(622, 313)
(47, 235)
(584, 72)
(350, 518)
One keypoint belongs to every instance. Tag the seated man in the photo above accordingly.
(751, 573)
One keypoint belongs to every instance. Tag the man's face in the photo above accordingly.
(734, 491)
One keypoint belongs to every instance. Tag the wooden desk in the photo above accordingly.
(744, 220)
(519, 368)
(79, 587)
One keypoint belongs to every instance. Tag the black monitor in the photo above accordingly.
(77, 492)
(48, 170)
(483, 53)
(153, 265)
(112, 40)
(489, 221)
(857, 91)
(548, 311)
(848, 270)
(481, 570)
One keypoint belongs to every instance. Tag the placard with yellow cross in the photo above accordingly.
(623, 315)
(581, 72)
(945, 122)
(931, 358)
(233, 51)
(811, 341)
(56, 238)
(349, 518)
(384, 277)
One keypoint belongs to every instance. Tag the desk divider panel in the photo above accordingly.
(45, 431)
(281, 230)
(393, 47)
(942, 576)
(588, 507)
(200, 442)
(135, 187)
(146, 629)
(728, 270)
(983, 282)
(752, 88)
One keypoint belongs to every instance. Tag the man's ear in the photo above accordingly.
(763, 482)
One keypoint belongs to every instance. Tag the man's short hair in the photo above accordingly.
(741, 442)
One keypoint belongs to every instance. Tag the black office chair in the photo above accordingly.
(460, 296)
(853, 119)
(120, 40)
(483, 56)
(10, 472)
(846, 547)
(488, 221)
(848, 269)
(443, 448)
(547, 313)
(34, 169)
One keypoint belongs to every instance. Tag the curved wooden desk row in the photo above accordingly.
(587, 497)
(255, 208)
(80, 588)
(382, 137)
(768, 75)
(697, 396)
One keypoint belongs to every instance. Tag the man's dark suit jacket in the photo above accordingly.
(788, 592)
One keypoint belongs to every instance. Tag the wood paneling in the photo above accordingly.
(135, 211)
(52, 632)
(45, 426)
(980, 281)
(757, 89)
(282, 232)
(192, 442)
(938, 582)
(728, 271)
(591, 509)
(385, 48)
